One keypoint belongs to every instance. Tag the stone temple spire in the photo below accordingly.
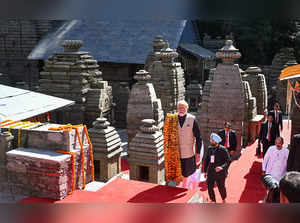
(71, 45)
(228, 53)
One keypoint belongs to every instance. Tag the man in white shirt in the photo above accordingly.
(274, 168)
(275, 160)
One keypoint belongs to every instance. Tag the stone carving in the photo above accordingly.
(143, 104)
(107, 149)
(168, 79)
(223, 99)
(75, 75)
(146, 154)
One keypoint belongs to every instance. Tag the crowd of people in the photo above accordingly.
(282, 186)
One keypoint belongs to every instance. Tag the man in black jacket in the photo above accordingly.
(277, 119)
(229, 140)
(267, 134)
(216, 167)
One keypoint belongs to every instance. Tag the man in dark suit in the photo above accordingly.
(267, 134)
(216, 167)
(229, 140)
(277, 118)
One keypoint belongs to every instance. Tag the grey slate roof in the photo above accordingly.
(197, 50)
(125, 41)
(18, 104)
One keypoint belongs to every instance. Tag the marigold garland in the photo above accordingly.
(73, 168)
(5, 121)
(10, 123)
(171, 149)
(67, 128)
(91, 153)
(13, 126)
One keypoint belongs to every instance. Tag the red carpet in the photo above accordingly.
(122, 191)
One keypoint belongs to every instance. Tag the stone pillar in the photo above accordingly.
(5, 146)
(143, 104)
(258, 87)
(168, 79)
(146, 154)
(225, 101)
(157, 44)
(107, 149)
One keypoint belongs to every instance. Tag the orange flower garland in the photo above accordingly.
(171, 149)
(73, 168)
(91, 153)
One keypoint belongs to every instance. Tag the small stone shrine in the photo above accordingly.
(107, 149)
(75, 75)
(225, 101)
(194, 95)
(258, 86)
(158, 44)
(48, 160)
(168, 79)
(143, 104)
(146, 154)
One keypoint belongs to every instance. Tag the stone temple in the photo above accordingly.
(225, 98)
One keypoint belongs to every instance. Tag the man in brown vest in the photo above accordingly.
(188, 130)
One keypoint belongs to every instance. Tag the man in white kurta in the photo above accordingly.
(275, 160)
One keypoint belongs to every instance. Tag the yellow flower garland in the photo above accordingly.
(171, 149)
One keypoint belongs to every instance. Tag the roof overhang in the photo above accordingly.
(18, 104)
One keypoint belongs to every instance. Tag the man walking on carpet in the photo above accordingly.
(216, 167)
(277, 118)
(188, 131)
(267, 134)
(274, 167)
(229, 140)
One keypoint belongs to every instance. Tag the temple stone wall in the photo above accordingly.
(17, 39)
(225, 100)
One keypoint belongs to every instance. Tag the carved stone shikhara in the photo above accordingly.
(75, 75)
(223, 97)
(143, 104)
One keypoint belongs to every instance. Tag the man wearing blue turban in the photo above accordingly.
(216, 166)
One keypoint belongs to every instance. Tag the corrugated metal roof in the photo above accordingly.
(197, 50)
(18, 104)
(126, 41)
